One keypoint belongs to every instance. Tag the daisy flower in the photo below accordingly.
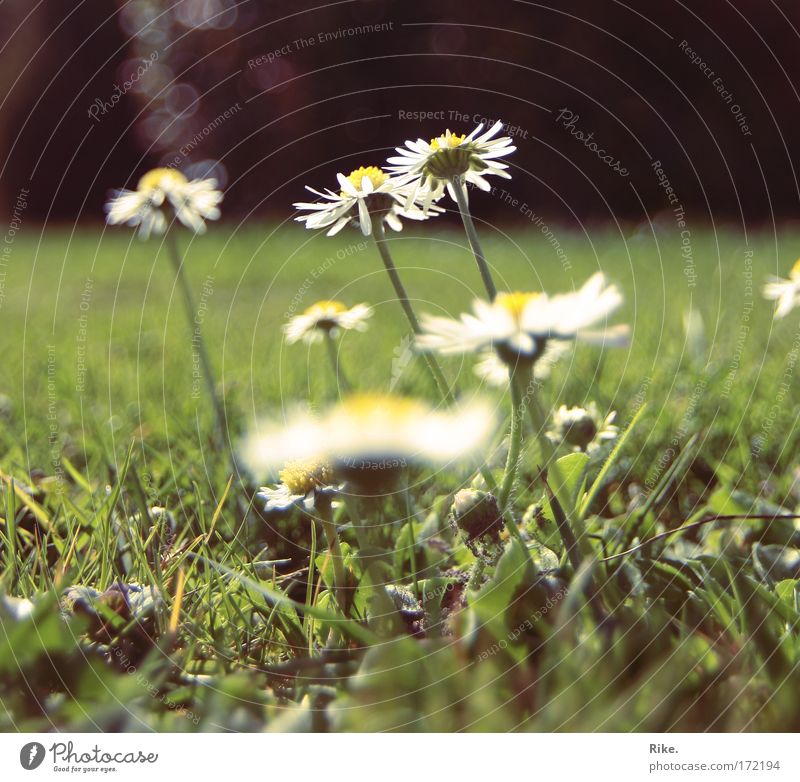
(451, 158)
(326, 318)
(582, 428)
(368, 438)
(519, 326)
(494, 370)
(161, 193)
(785, 292)
(366, 193)
(300, 483)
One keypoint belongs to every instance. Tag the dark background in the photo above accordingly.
(334, 105)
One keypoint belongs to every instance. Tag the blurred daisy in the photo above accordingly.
(582, 428)
(519, 326)
(494, 370)
(326, 318)
(161, 193)
(449, 159)
(371, 436)
(785, 292)
(300, 483)
(366, 193)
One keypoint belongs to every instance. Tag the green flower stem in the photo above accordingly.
(340, 378)
(413, 535)
(432, 364)
(548, 456)
(197, 340)
(518, 409)
(472, 236)
(384, 618)
(337, 560)
(405, 303)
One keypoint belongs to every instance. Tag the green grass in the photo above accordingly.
(701, 629)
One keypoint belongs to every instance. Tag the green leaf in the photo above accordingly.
(609, 463)
(567, 482)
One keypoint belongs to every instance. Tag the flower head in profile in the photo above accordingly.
(582, 428)
(450, 160)
(520, 326)
(161, 194)
(302, 482)
(491, 368)
(367, 193)
(785, 292)
(326, 318)
(370, 438)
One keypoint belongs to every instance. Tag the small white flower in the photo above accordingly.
(519, 325)
(326, 317)
(450, 160)
(367, 192)
(785, 292)
(192, 202)
(301, 482)
(372, 435)
(582, 428)
(494, 370)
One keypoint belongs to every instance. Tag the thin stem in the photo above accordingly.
(472, 235)
(334, 546)
(384, 617)
(432, 364)
(338, 373)
(405, 303)
(197, 337)
(550, 465)
(515, 441)
(413, 536)
(518, 405)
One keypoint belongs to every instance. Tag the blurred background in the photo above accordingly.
(270, 96)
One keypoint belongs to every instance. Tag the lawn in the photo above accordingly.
(105, 416)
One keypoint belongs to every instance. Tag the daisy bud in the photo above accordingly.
(476, 516)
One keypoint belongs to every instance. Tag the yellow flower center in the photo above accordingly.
(515, 302)
(373, 173)
(447, 140)
(301, 477)
(325, 308)
(366, 406)
(795, 272)
(161, 178)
